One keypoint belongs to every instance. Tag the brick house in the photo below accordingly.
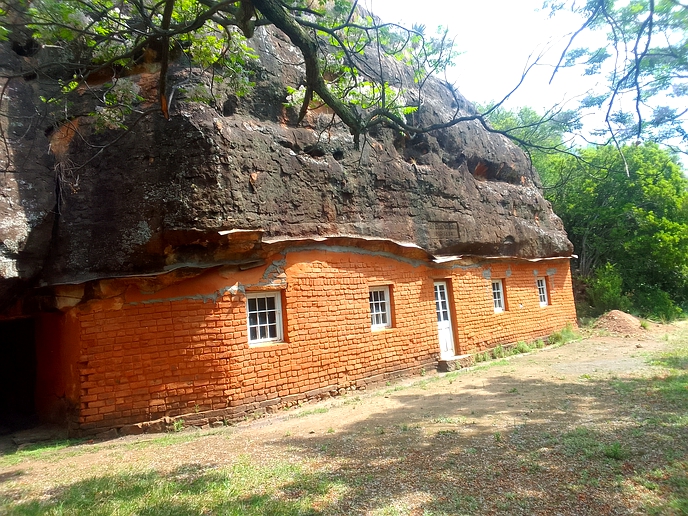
(223, 262)
(309, 320)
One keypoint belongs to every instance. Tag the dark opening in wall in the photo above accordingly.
(28, 48)
(17, 375)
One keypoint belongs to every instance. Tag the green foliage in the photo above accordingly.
(36, 451)
(605, 289)
(498, 352)
(581, 441)
(645, 64)
(119, 100)
(522, 347)
(656, 303)
(178, 425)
(336, 38)
(117, 35)
(566, 334)
(615, 451)
(4, 32)
(629, 231)
(241, 488)
(541, 136)
(482, 357)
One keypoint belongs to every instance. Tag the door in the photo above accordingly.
(444, 327)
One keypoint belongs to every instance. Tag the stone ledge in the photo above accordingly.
(454, 363)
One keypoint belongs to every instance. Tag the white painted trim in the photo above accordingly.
(277, 296)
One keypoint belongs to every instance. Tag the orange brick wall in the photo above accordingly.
(480, 328)
(184, 349)
(57, 376)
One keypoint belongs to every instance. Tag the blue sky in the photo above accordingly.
(496, 38)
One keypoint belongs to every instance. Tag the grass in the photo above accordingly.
(243, 488)
(499, 352)
(615, 451)
(318, 410)
(567, 334)
(589, 444)
(51, 451)
(558, 338)
(491, 364)
(662, 408)
(522, 347)
(444, 420)
(39, 451)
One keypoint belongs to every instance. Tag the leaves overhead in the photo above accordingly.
(645, 63)
(334, 37)
(347, 54)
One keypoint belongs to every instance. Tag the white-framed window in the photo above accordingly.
(498, 296)
(380, 313)
(264, 317)
(542, 291)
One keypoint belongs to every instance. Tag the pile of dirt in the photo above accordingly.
(617, 321)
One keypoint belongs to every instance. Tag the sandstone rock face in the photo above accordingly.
(173, 193)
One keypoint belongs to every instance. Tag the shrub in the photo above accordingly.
(522, 347)
(482, 357)
(615, 451)
(605, 289)
(654, 302)
(563, 336)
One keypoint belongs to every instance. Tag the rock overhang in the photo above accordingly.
(134, 206)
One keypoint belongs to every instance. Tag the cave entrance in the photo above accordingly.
(17, 375)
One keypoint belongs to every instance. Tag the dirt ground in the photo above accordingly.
(497, 430)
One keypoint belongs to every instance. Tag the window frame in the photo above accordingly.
(502, 295)
(543, 291)
(279, 320)
(387, 313)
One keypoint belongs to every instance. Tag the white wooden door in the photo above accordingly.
(444, 327)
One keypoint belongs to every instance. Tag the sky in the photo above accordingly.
(496, 38)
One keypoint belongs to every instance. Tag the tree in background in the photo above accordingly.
(637, 223)
(625, 207)
(625, 210)
(540, 136)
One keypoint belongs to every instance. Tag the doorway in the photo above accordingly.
(444, 325)
(17, 375)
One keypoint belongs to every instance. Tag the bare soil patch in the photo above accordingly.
(620, 322)
(527, 435)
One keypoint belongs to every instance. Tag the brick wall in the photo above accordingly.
(480, 328)
(184, 349)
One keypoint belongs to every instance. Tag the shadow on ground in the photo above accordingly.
(604, 446)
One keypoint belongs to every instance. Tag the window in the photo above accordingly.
(542, 291)
(498, 296)
(264, 316)
(380, 316)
